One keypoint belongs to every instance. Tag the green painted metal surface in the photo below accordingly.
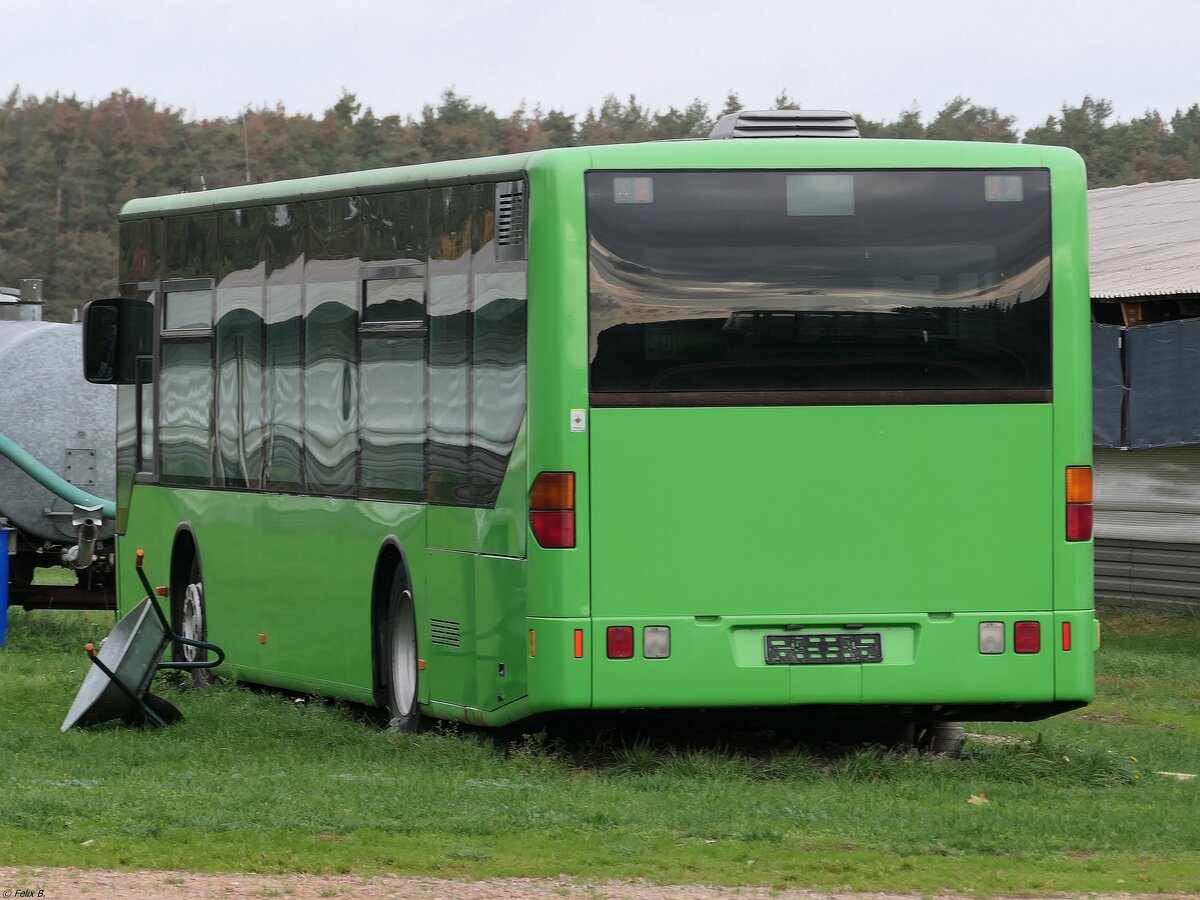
(918, 521)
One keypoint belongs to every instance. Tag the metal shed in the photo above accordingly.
(1145, 289)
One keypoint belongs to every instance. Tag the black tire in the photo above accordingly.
(20, 569)
(943, 738)
(401, 670)
(189, 618)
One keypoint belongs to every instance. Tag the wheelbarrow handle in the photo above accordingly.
(177, 638)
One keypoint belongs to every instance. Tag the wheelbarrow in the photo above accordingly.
(118, 684)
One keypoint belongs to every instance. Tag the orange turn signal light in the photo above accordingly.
(553, 491)
(1079, 484)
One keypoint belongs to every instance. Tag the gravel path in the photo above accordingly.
(32, 883)
(70, 884)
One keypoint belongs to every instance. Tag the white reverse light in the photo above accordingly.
(656, 642)
(991, 637)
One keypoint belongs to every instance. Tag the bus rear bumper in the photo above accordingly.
(928, 660)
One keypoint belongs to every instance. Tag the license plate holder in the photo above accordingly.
(823, 648)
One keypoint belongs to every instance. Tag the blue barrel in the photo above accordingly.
(3, 585)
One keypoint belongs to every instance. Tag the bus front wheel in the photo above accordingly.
(189, 620)
(401, 659)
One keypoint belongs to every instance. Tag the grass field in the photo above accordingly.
(264, 781)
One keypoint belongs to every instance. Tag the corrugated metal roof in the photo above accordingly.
(1145, 239)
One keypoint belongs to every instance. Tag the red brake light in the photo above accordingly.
(620, 642)
(1027, 637)
(552, 509)
(1079, 521)
(1079, 503)
(553, 529)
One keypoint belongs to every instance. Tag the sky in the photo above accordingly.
(1026, 58)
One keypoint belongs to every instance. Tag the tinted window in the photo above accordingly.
(393, 416)
(497, 356)
(191, 245)
(283, 242)
(139, 250)
(451, 230)
(188, 310)
(185, 449)
(395, 225)
(395, 297)
(393, 375)
(867, 281)
(331, 286)
(239, 349)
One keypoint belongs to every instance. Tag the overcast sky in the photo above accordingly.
(877, 57)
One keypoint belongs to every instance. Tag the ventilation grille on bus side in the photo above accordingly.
(510, 220)
(445, 632)
(786, 123)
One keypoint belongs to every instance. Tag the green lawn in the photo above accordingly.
(259, 781)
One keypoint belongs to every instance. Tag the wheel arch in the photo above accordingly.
(390, 559)
(184, 547)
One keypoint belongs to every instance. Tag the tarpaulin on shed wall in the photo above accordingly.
(1108, 386)
(1155, 377)
(1162, 363)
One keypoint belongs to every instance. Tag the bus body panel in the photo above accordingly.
(255, 552)
(1073, 562)
(821, 510)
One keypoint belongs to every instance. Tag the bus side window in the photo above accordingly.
(333, 246)
(238, 350)
(392, 372)
(283, 243)
(498, 295)
(450, 235)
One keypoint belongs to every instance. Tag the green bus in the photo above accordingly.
(777, 422)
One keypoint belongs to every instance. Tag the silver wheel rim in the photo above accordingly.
(192, 625)
(404, 656)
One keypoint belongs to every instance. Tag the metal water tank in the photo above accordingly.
(66, 423)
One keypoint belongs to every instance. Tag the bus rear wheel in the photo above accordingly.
(401, 673)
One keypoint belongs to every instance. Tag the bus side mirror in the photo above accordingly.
(117, 336)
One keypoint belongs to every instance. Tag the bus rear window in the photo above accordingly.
(753, 287)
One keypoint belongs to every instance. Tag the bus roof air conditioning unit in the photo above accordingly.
(773, 123)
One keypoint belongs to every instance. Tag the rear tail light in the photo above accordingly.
(1066, 635)
(1079, 503)
(991, 637)
(656, 642)
(552, 509)
(1027, 637)
(620, 642)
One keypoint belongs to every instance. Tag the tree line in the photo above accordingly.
(67, 165)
